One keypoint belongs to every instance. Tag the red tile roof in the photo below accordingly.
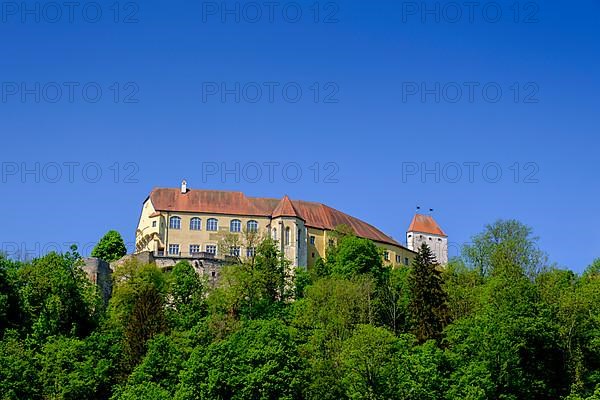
(425, 224)
(285, 208)
(315, 215)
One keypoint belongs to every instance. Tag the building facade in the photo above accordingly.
(183, 223)
(424, 229)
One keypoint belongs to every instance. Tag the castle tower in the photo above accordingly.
(292, 232)
(424, 229)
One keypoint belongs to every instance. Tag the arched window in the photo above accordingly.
(175, 223)
(252, 226)
(235, 225)
(212, 224)
(195, 224)
(287, 236)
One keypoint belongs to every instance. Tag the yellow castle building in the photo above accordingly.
(179, 222)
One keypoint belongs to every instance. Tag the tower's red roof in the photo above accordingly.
(285, 208)
(425, 224)
(315, 215)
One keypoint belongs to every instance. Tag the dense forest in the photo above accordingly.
(499, 322)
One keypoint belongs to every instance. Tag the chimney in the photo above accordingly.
(183, 187)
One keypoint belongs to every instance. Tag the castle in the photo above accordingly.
(183, 223)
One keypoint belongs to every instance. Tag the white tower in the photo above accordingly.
(424, 229)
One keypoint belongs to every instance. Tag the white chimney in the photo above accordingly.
(183, 187)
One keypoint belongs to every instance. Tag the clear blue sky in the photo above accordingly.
(387, 75)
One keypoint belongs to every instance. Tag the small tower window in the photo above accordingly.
(287, 236)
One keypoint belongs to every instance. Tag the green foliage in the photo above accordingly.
(256, 289)
(187, 291)
(354, 256)
(260, 361)
(137, 308)
(505, 244)
(10, 307)
(110, 248)
(18, 370)
(57, 298)
(428, 300)
(393, 298)
(505, 327)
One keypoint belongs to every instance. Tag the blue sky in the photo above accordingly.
(396, 104)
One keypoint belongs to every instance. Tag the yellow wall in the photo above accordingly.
(159, 237)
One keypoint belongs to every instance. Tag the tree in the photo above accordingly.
(428, 300)
(329, 313)
(160, 367)
(257, 288)
(354, 256)
(186, 294)
(18, 371)
(57, 298)
(137, 307)
(146, 320)
(110, 248)
(505, 244)
(260, 361)
(509, 348)
(366, 357)
(393, 299)
(10, 308)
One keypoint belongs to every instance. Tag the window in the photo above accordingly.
(174, 249)
(405, 260)
(274, 233)
(409, 236)
(386, 255)
(312, 240)
(287, 236)
(211, 249)
(439, 239)
(194, 248)
(175, 223)
(212, 224)
(313, 255)
(252, 226)
(235, 225)
(234, 251)
(331, 242)
(398, 259)
(154, 224)
(195, 224)
(250, 252)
